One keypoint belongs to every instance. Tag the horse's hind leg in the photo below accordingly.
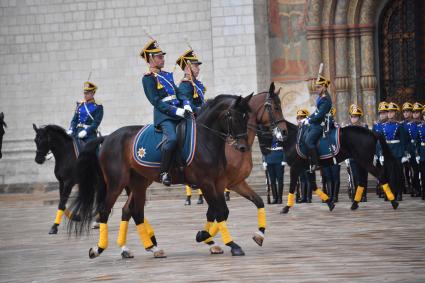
(379, 173)
(122, 233)
(324, 197)
(245, 190)
(293, 176)
(361, 187)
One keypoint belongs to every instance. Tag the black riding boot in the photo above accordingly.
(309, 192)
(314, 159)
(274, 193)
(303, 188)
(166, 159)
(279, 194)
(330, 190)
(364, 197)
(336, 191)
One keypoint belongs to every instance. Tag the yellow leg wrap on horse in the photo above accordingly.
(291, 200)
(199, 192)
(144, 236)
(149, 228)
(58, 218)
(208, 226)
(225, 235)
(321, 194)
(388, 192)
(122, 233)
(359, 194)
(261, 218)
(188, 191)
(68, 213)
(214, 230)
(103, 236)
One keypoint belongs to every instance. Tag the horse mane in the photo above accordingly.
(218, 104)
(59, 130)
(291, 127)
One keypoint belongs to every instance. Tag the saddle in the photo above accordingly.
(148, 142)
(327, 147)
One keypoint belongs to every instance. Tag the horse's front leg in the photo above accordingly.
(245, 190)
(293, 176)
(209, 232)
(323, 196)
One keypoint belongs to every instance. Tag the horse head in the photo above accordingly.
(237, 122)
(42, 143)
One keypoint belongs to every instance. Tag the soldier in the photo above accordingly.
(306, 191)
(412, 128)
(357, 173)
(317, 119)
(331, 174)
(88, 115)
(275, 165)
(377, 128)
(170, 106)
(396, 139)
(421, 147)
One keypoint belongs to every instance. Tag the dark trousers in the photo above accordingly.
(276, 171)
(359, 178)
(331, 178)
(422, 172)
(305, 188)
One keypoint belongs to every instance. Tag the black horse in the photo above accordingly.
(55, 139)
(2, 126)
(357, 143)
(101, 180)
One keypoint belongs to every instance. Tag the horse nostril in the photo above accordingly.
(242, 148)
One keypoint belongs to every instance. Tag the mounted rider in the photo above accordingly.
(88, 115)
(170, 106)
(317, 119)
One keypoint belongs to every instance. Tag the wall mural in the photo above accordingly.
(288, 41)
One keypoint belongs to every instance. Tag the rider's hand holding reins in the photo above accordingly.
(69, 132)
(82, 134)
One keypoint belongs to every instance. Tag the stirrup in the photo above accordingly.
(165, 179)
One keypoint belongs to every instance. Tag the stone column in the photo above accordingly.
(368, 79)
(342, 82)
(314, 37)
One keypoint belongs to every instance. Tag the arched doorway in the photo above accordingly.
(402, 51)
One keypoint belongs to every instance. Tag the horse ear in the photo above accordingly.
(271, 89)
(1, 115)
(237, 102)
(34, 127)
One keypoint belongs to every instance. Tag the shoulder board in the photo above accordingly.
(148, 74)
(185, 80)
(98, 102)
(80, 102)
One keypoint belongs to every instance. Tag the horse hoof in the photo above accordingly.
(394, 203)
(237, 251)
(216, 250)
(331, 206)
(95, 225)
(93, 253)
(354, 206)
(258, 238)
(202, 236)
(159, 254)
(127, 254)
(285, 210)
(54, 229)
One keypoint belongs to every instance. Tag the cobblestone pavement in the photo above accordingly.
(310, 244)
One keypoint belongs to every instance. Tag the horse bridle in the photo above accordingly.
(273, 122)
(42, 153)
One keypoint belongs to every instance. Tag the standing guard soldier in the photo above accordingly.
(414, 148)
(377, 128)
(411, 129)
(88, 115)
(396, 136)
(357, 173)
(274, 164)
(421, 148)
(170, 106)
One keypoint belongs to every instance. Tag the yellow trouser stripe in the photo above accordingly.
(359, 194)
(144, 237)
(58, 218)
(199, 192)
(122, 233)
(188, 191)
(103, 236)
(261, 218)
(291, 200)
(225, 235)
(149, 228)
(321, 194)
(388, 192)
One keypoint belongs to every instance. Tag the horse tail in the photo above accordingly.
(92, 192)
(392, 168)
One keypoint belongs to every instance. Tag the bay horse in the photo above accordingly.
(101, 179)
(357, 143)
(2, 126)
(265, 119)
(53, 138)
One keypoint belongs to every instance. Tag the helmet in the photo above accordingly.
(383, 106)
(303, 113)
(407, 106)
(417, 106)
(393, 107)
(355, 110)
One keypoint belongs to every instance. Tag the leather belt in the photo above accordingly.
(393, 141)
(168, 98)
(83, 126)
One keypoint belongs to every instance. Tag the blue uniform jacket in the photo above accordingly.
(197, 98)
(276, 156)
(83, 121)
(411, 128)
(420, 139)
(396, 138)
(164, 95)
(324, 105)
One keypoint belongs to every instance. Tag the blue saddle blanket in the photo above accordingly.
(147, 145)
(328, 146)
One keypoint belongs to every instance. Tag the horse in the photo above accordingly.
(357, 143)
(266, 119)
(55, 139)
(102, 181)
(2, 126)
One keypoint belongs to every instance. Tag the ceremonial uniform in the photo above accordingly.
(275, 165)
(87, 117)
(317, 121)
(170, 106)
(306, 191)
(421, 152)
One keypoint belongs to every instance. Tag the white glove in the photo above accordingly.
(82, 134)
(347, 161)
(283, 163)
(264, 166)
(418, 159)
(69, 132)
(188, 108)
(408, 155)
(306, 121)
(404, 159)
(381, 160)
(375, 160)
(180, 112)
